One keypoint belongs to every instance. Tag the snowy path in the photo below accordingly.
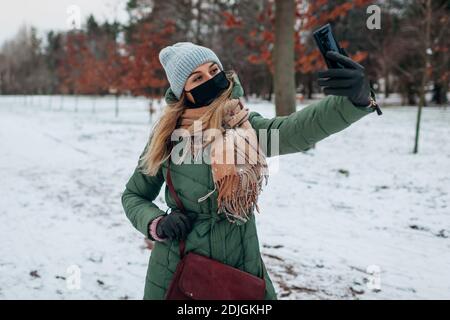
(359, 199)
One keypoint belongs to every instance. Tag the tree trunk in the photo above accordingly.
(94, 100)
(439, 92)
(117, 105)
(150, 110)
(410, 96)
(444, 92)
(269, 97)
(61, 102)
(422, 91)
(310, 86)
(76, 102)
(284, 77)
(386, 85)
(419, 115)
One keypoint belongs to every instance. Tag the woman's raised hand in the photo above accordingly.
(350, 81)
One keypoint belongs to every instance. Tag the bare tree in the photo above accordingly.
(428, 36)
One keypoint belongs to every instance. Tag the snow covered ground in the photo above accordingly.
(359, 202)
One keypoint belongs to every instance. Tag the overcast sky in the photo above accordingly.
(48, 15)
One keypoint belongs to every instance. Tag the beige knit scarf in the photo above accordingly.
(238, 164)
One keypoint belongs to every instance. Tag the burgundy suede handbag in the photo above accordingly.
(198, 277)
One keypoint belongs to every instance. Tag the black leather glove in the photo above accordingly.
(350, 81)
(174, 226)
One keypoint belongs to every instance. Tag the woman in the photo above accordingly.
(220, 221)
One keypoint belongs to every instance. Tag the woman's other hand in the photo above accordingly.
(175, 226)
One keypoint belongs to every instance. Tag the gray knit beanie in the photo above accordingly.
(181, 59)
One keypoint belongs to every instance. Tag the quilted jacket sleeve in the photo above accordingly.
(300, 130)
(137, 199)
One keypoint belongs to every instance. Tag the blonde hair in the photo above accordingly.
(158, 146)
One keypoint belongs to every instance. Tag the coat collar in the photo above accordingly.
(236, 92)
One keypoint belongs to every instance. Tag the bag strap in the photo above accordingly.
(183, 210)
(177, 200)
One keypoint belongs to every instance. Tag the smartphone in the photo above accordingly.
(326, 41)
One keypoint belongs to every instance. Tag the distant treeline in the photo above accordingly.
(410, 51)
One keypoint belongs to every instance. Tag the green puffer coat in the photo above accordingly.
(212, 235)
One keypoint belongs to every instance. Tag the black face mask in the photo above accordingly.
(205, 93)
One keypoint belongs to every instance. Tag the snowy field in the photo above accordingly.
(359, 202)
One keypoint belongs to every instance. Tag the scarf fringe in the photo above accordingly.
(238, 194)
(238, 184)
